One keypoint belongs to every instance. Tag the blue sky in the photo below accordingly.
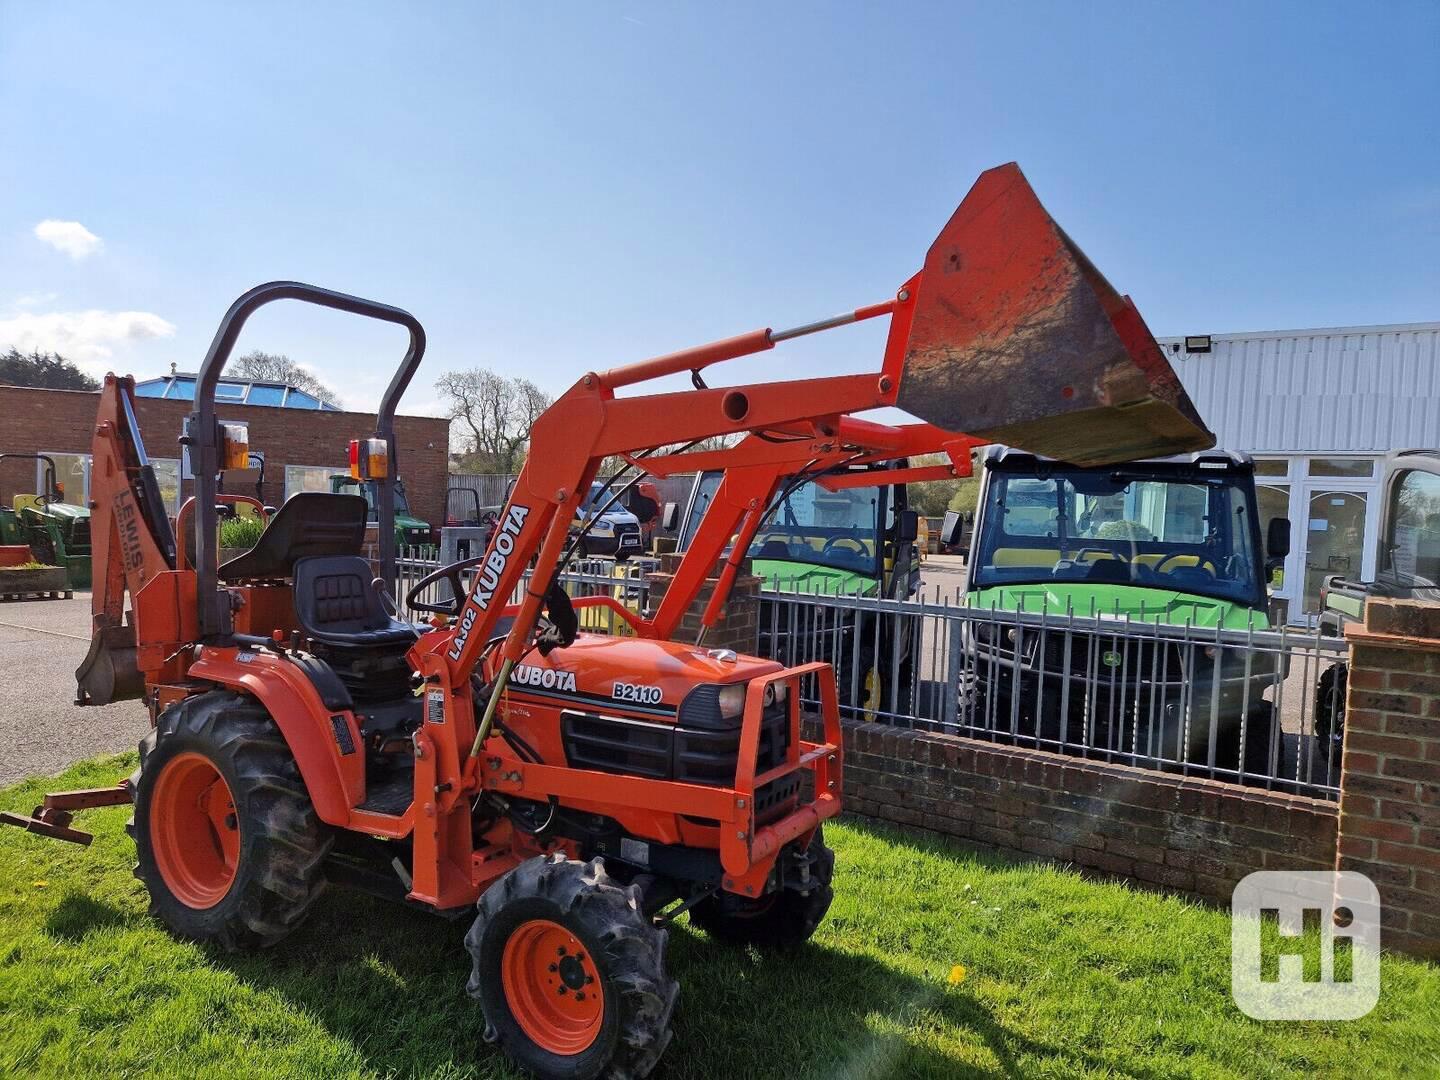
(557, 190)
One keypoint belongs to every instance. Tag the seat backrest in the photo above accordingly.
(334, 596)
(310, 524)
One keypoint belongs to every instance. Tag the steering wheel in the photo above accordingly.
(1099, 551)
(1200, 563)
(458, 591)
(835, 541)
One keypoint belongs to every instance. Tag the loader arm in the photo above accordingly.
(1005, 303)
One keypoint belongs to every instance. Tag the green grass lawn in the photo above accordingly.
(1064, 977)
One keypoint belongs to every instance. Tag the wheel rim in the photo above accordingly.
(194, 830)
(552, 987)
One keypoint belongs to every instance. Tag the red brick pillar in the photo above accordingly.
(739, 624)
(1390, 774)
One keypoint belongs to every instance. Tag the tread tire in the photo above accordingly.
(629, 953)
(782, 920)
(283, 843)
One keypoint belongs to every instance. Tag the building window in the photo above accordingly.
(72, 471)
(229, 391)
(1272, 467)
(167, 479)
(310, 477)
(1355, 468)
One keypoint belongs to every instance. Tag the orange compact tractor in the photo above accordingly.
(581, 790)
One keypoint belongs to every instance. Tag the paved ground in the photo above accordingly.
(41, 729)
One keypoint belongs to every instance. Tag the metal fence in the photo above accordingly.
(1227, 704)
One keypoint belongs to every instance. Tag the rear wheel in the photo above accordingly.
(784, 919)
(570, 973)
(229, 846)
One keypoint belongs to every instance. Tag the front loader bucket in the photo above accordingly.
(1017, 338)
(109, 672)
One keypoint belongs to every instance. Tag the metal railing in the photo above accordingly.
(1228, 704)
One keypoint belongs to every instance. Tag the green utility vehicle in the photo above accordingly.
(1407, 566)
(57, 532)
(1160, 543)
(410, 531)
(853, 542)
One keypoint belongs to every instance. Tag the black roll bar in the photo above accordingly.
(202, 431)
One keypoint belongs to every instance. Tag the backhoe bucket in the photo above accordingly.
(1017, 338)
(109, 672)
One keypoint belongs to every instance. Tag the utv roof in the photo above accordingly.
(1213, 459)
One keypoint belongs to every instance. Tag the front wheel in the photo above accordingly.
(229, 846)
(570, 973)
(785, 918)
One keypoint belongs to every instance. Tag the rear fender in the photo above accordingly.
(318, 737)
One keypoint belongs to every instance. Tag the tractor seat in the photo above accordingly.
(310, 523)
(337, 605)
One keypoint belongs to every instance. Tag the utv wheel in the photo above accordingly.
(782, 920)
(569, 972)
(1330, 712)
(229, 846)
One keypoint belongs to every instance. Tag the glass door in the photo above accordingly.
(1336, 539)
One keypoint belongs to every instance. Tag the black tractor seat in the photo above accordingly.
(311, 523)
(337, 605)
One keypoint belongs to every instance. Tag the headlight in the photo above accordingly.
(602, 528)
(776, 693)
(732, 701)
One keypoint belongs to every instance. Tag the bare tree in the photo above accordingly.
(491, 417)
(277, 367)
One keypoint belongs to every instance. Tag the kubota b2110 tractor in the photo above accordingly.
(579, 791)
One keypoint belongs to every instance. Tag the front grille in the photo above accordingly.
(629, 539)
(692, 755)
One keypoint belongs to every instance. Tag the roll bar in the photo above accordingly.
(202, 432)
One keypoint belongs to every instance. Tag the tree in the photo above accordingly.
(491, 416)
(47, 371)
(277, 367)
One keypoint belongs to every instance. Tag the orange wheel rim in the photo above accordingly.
(194, 830)
(553, 987)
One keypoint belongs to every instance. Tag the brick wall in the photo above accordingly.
(1390, 775)
(61, 421)
(1189, 835)
(737, 628)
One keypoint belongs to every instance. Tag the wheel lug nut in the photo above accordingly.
(560, 989)
(589, 979)
(579, 995)
(554, 967)
(561, 950)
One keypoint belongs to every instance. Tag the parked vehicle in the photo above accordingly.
(1170, 541)
(57, 532)
(1407, 566)
(409, 530)
(847, 541)
(605, 530)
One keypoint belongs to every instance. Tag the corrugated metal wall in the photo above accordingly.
(1352, 389)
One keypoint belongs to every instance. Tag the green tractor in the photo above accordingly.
(853, 541)
(1161, 543)
(57, 533)
(410, 531)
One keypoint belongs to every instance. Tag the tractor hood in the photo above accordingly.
(629, 674)
(1144, 605)
(66, 511)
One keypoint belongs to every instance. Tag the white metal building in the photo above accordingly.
(1318, 409)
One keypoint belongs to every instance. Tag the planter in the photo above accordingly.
(226, 554)
(44, 580)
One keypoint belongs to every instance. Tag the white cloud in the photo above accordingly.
(86, 337)
(70, 237)
(34, 300)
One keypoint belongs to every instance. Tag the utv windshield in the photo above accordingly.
(1189, 532)
(837, 529)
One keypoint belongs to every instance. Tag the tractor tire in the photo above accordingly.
(569, 972)
(229, 845)
(1329, 712)
(785, 919)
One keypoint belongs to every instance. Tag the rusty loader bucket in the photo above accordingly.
(1017, 338)
(109, 672)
